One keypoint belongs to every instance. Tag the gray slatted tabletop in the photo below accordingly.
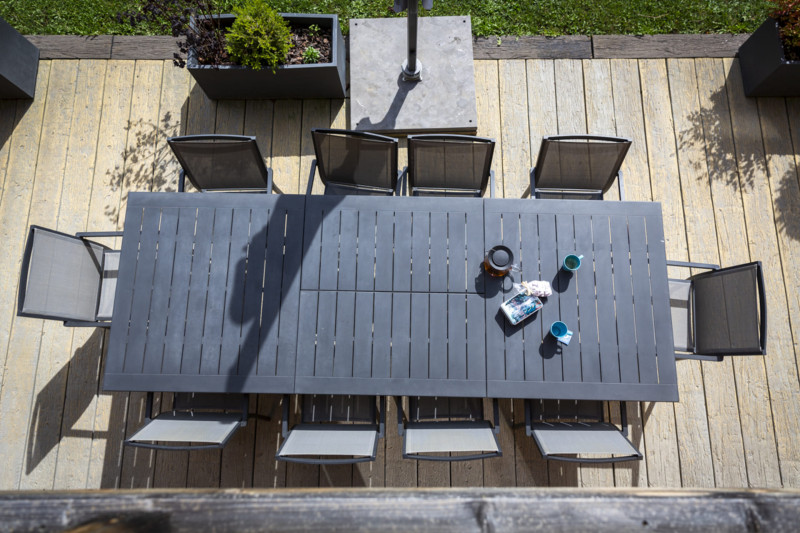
(208, 293)
(389, 286)
(616, 304)
(371, 295)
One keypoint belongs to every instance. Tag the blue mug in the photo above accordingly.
(572, 262)
(558, 329)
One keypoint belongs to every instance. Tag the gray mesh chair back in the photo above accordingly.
(578, 166)
(195, 422)
(65, 277)
(450, 165)
(333, 430)
(720, 312)
(576, 431)
(221, 162)
(438, 427)
(352, 162)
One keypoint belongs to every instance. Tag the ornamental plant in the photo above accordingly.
(259, 37)
(787, 13)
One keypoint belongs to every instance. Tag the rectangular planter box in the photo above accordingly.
(321, 80)
(19, 63)
(765, 69)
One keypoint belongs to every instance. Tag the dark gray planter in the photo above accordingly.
(321, 80)
(19, 63)
(765, 69)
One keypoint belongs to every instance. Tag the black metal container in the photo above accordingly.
(765, 69)
(19, 63)
(319, 80)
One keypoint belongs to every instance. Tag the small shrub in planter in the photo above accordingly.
(770, 57)
(242, 55)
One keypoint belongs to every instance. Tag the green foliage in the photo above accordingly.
(787, 13)
(489, 17)
(314, 30)
(259, 37)
(311, 55)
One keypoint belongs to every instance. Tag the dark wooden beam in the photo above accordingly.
(660, 46)
(460, 510)
(143, 47)
(72, 46)
(532, 47)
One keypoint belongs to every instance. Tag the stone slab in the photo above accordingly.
(443, 101)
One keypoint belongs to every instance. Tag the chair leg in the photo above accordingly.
(311, 176)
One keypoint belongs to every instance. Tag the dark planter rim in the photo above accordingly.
(191, 62)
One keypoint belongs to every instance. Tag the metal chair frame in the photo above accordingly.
(535, 191)
(488, 173)
(182, 174)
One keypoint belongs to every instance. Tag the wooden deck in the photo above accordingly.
(723, 166)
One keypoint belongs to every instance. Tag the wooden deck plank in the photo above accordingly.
(137, 174)
(8, 121)
(542, 111)
(43, 412)
(663, 465)
(268, 472)
(316, 114)
(713, 127)
(757, 373)
(487, 100)
(691, 418)
(109, 421)
(74, 449)
(399, 472)
(287, 119)
(782, 370)
(516, 156)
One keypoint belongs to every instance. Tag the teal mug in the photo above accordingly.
(572, 262)
(558, 329)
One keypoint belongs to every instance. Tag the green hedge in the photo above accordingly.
(489, 17)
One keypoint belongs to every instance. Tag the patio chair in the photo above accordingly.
(578, 166)
(207, 420)
(718, 313)
(221, 163)
(450, 165)
(448, 425)
(69, 278)
(334, 430)
(355, 162)
(565, 430)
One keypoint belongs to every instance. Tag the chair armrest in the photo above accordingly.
(181, 180)
(623, 415)
(148, 410)
(621, 188)
(762, 297)
(402, 176)
(398, 402)
(533, 182)
(285, 416)
(83, 234)
(311, 176)
(84, 324)
(496, 416)
(269, 180)
(689, 264)
(382, 417)
(491, 184)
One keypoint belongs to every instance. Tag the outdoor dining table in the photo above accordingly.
(387, 295)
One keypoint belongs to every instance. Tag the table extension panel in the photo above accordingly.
(208, 293)
(616, 304)
(391, 299)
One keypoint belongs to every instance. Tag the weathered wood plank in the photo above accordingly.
(570, 101)
(487, 99)
(8, 121)
(287, 119)
(713, 127)
(258, 122)
(399, 472)
(532, 47)
(782, 370)
(316, 114)
(663, 465)
(72, 46)
(268, 472)
(763, 468)
(137, 174)
(410, 510)
(541, 108)
(663, 46)
(109, 422)
(74, 449)
(690, 413)
(516, 154)
(143, 47)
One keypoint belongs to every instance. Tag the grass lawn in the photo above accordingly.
(489, 17)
